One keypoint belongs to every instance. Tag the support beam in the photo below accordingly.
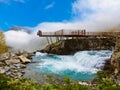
(48, 40)
(51, 39)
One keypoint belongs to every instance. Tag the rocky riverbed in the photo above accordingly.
(13, 63)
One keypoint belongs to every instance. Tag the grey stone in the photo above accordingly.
(13, 61)
(2, 70)
(23, 66)
(6, 68)
(8, 73)
(2, 64)
(12, 67)
(4, 56)
(19, 74)
(17, 65)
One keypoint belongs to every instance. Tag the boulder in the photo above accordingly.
(24, 59)
(4, 56)
(12, 61)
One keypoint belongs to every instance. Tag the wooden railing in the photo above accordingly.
(76, 33)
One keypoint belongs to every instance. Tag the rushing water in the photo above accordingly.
(81, 66)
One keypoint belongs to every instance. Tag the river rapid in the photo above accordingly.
(83, 65)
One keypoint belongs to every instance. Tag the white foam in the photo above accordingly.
(37, 54)
(84, 61)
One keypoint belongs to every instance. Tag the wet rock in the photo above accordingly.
(16, 71)
(2, 64)
(19, 74)
(8, 73)
(2, 70)
(24, 59)
(6, 68)
(17, 65)
(23, 72)
(12, 61)
(23, 66)
(12, 67)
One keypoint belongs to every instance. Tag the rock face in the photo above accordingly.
(70, 46)
(115, 59)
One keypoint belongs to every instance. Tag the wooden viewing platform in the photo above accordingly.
(76, 33)
(68, 34)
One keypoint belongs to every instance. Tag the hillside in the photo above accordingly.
(3, 47)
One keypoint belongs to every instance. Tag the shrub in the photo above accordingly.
(3, 47)
(22, 84)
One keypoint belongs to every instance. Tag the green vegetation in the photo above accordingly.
(105, 83)
(7, 83)
(3, 47)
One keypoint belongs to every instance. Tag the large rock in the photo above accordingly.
(24, 59)
(12, 61)
(4, 56)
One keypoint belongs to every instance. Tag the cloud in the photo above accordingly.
(51, 5)
(92, 15)
(21, 40)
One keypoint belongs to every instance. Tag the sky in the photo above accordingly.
(92, 15)
(32, 12)
(53, 15)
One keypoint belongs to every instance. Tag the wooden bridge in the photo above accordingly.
(60, 34)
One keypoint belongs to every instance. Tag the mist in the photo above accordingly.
(20, 40)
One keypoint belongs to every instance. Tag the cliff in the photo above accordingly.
(115, 59)
(71, 46)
